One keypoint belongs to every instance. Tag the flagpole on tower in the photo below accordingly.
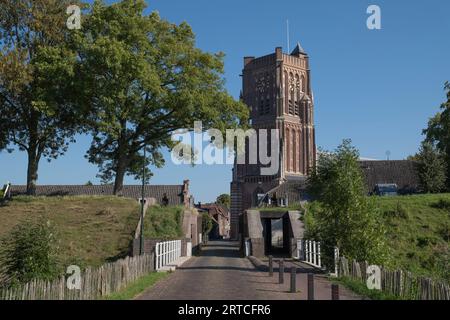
(287, 34)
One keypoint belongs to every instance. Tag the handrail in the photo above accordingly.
(7, 191)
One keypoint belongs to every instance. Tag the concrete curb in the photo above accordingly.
(172, 267)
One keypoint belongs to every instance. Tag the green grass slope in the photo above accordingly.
(163, 222)
(418, 231)
(91, 230)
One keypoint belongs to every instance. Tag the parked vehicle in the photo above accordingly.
(386, 189)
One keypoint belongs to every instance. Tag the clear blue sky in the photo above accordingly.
(376, 87)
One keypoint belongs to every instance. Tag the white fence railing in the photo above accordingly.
(248, 247)
(309, 251)
(7, 191)
(166, 253)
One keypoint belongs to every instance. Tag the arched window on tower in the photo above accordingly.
(294, 153)
(291, 93)
(288, 148)
(303, 83)
(258, 196)
(261, 106)
(286, 92)
(267, 106)
(297, 95)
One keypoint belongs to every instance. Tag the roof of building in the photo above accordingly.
(293, 190)
(214, 208)
(174, 193)
(298, 50)
(401, 172)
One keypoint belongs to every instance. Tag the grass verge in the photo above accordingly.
(138, 286)
(361, 289)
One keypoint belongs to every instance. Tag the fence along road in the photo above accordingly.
(220, 273)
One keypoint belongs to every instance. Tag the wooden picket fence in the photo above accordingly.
(95, 282)
(397, 282)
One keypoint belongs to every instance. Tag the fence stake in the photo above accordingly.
(281, 272)
(334, 291)
(293, 279)
(271, 266)
(310, 286)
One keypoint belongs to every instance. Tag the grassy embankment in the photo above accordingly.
(164, 222)
(91, 230)
(418, 232)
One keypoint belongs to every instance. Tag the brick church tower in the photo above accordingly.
(277, 90)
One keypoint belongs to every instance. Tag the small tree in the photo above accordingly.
(224, 199)
(345, 217)
(438, 131)
(207, 226)
(30, 252)
(432, 168)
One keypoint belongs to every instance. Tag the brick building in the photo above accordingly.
(172, 195)
(277, 90)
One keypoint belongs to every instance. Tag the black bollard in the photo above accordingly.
(293, 279)
(281, 274)
(270, 266)
(334, 291)
(310, 286)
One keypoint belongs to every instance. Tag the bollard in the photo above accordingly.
(293, 279)
(310, 286)
(270, 266)
(334, 291)
(281, 272)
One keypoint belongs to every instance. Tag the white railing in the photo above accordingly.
(248, 248)
(309, 251)
(7, 191)
(167, 252)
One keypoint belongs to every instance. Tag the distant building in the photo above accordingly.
(403, 173)
(172, 195)
(221, 219)
(277, 90)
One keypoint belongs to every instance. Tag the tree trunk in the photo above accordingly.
(120, 174)
(32, 172)
(122, 161)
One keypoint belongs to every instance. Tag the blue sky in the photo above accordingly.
(377, 87)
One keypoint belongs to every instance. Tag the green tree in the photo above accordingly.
(144, 79)
(30, 251)
(36, 69)
(438, 130)
(224, 199)
(207, 226)
(345, 216)
(432, 168)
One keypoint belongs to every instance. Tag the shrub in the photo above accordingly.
(29, 252)
(442, 204)
(346, 217)
(163, 222)
(207, 226)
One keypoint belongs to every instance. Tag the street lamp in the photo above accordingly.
(141, 245)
